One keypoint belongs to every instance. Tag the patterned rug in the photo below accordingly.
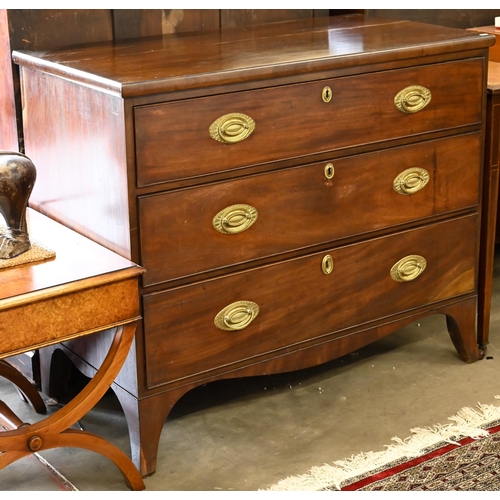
(461, 456)
(470, 465)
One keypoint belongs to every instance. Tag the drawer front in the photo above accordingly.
(173, 140)
(298, 300)
(184, 233)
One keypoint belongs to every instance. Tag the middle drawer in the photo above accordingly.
(190, 231)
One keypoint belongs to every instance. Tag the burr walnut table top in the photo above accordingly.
(85, 288)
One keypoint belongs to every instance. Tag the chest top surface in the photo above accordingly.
(196, 60)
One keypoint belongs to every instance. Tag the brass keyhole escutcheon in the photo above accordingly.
(329, 171)
(326, 95)
(327, 264)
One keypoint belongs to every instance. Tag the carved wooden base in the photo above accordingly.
(146, 416)
(21, 439)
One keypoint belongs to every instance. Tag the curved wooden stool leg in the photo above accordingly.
(11, 457)
(92, 393)
(81, 439)
(8, 419)
(24, 386)
(54, 431)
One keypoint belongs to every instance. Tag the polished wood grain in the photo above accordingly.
(229, 56)
(490, 201)
(21, 439)
(291, 121)
(155, 410)
(231, 18)
(289, 314)
(85, 288)
(491, 221)
(134, 23)
(165, 182)
(494, 77)
(295, 207)
(102, 178)
(44, 29)
(453, 17)
(494, 51)
(19, 284)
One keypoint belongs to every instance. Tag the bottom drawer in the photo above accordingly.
(210, 324)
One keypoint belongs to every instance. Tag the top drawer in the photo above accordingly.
(173, 139)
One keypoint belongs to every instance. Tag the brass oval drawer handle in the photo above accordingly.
(408, 268)
(412, 99)
(411, 181)
(235, 219)
(236, 316)
(232, 128)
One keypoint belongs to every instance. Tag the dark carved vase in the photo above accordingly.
(17, 178)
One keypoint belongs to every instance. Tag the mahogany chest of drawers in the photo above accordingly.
(294, 191)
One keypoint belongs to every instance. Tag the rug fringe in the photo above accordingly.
(468, 422)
